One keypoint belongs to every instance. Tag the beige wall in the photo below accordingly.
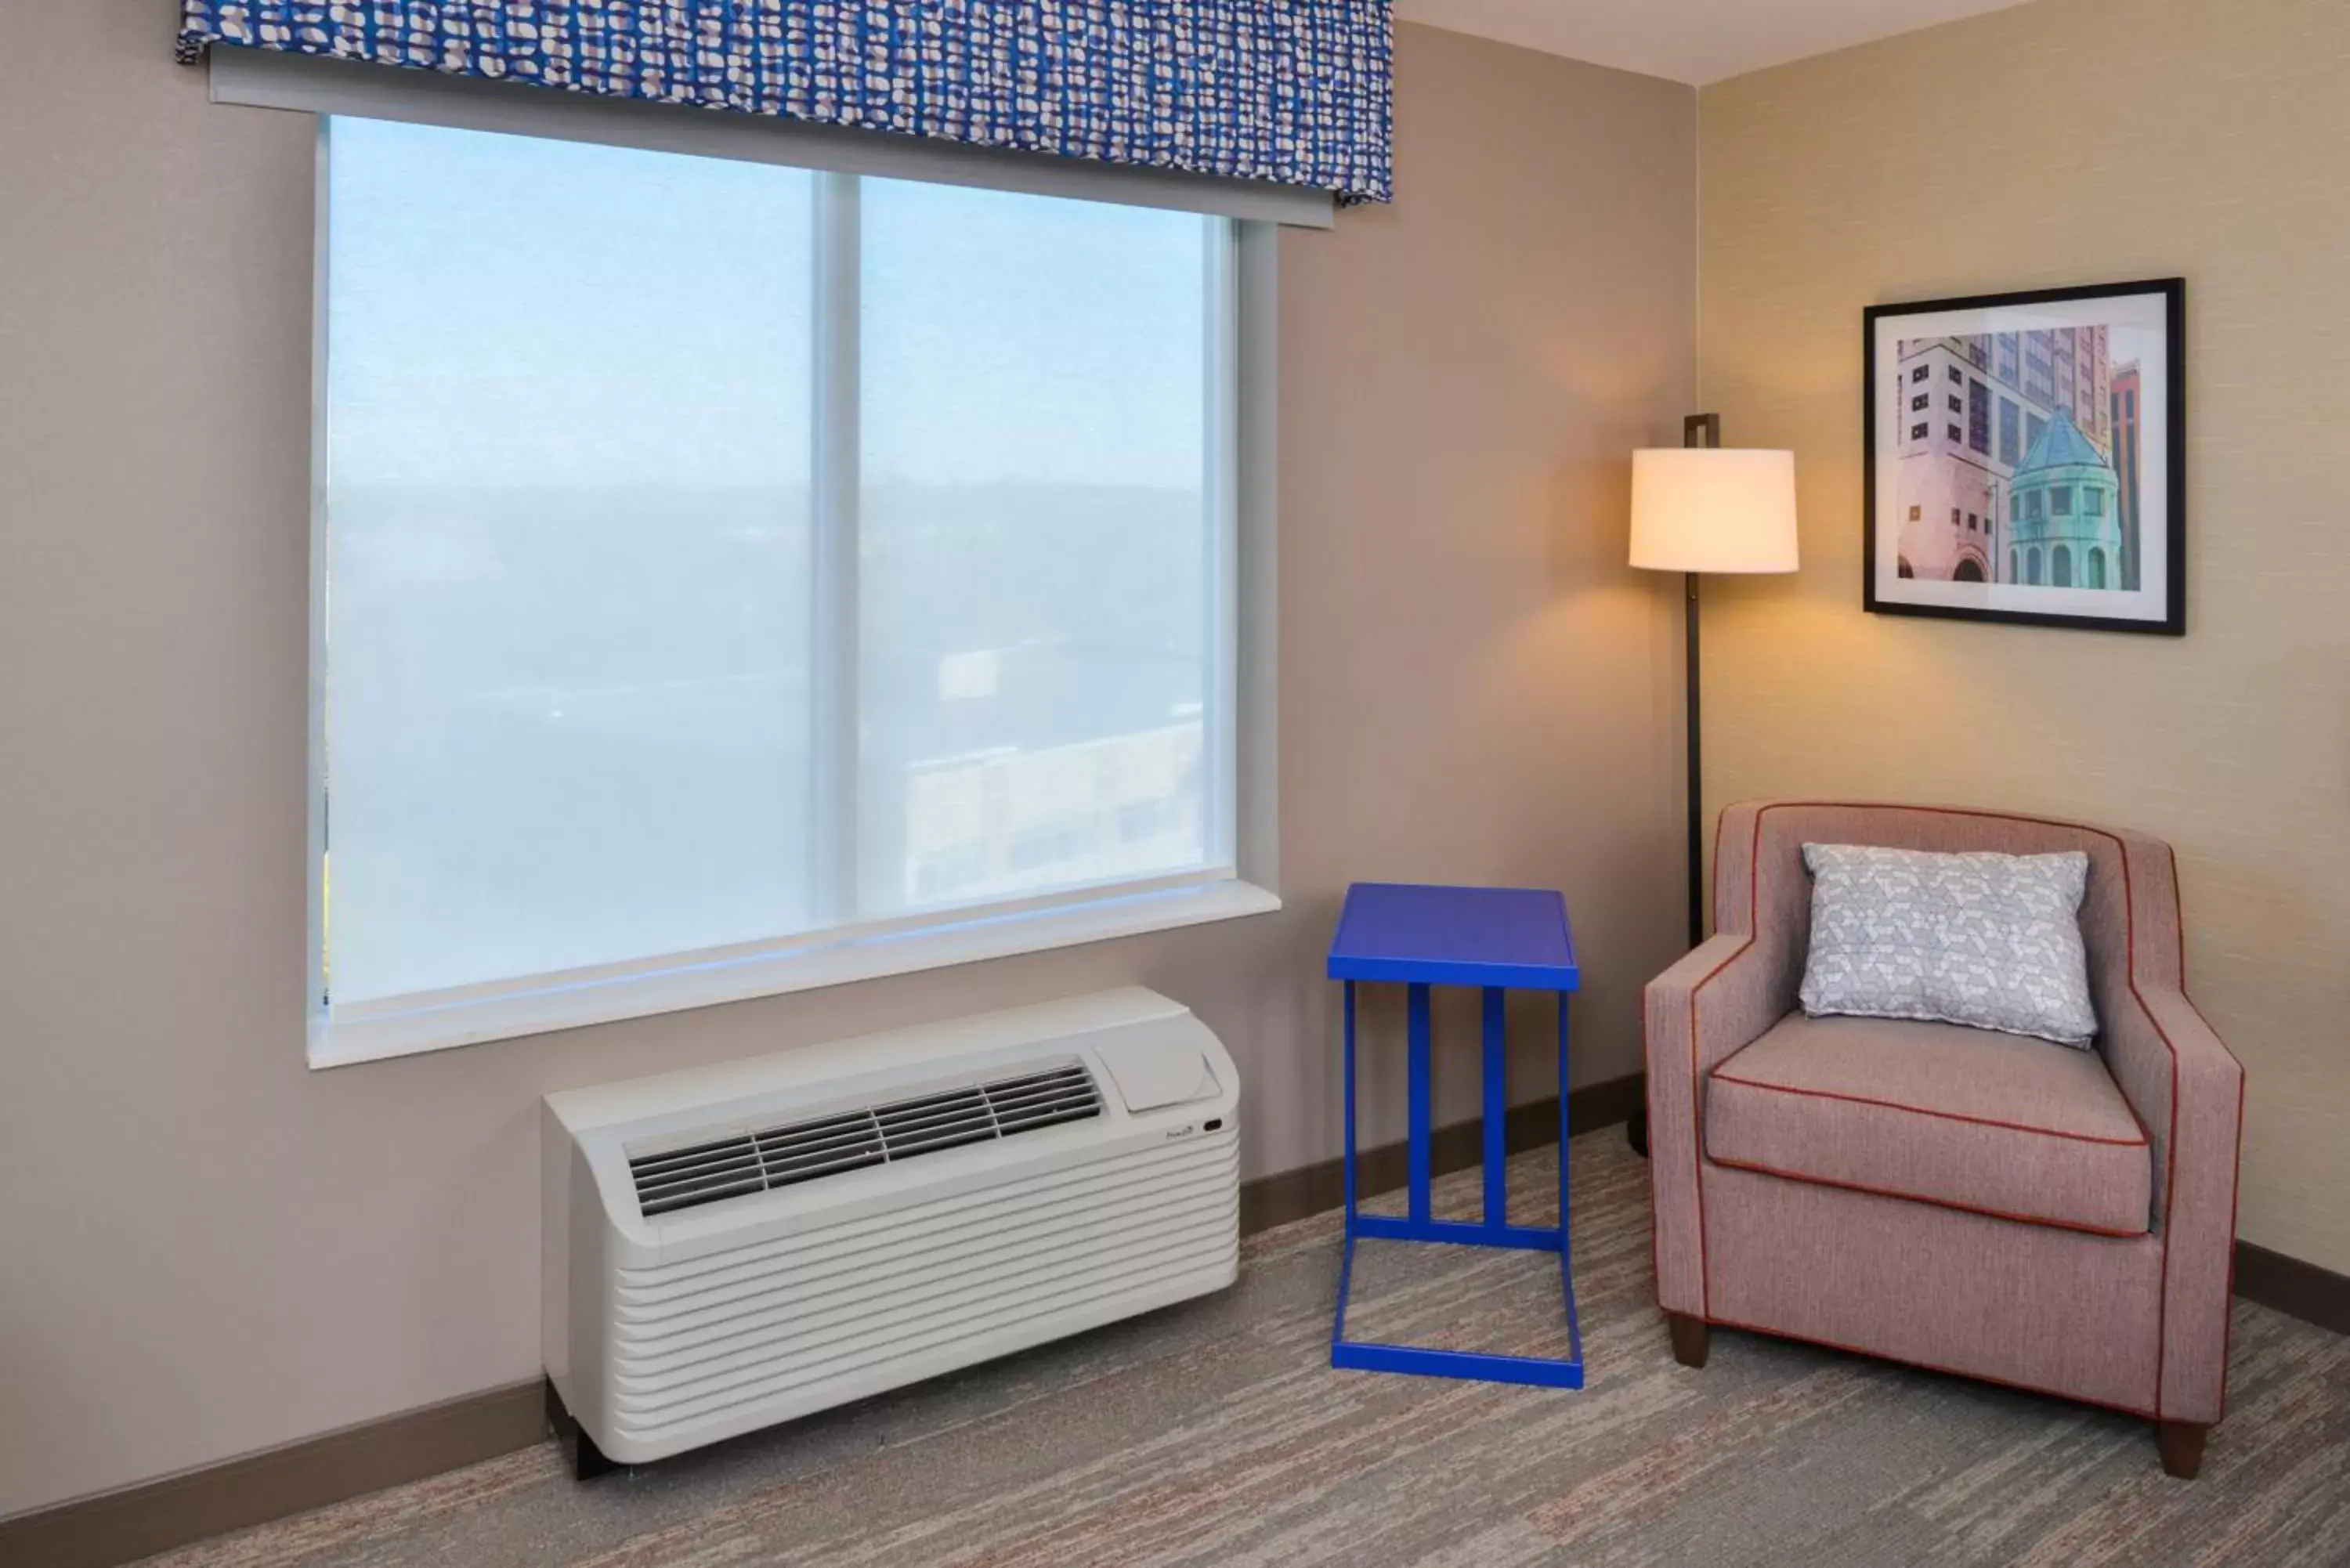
(2079, 142)
(205, 1249)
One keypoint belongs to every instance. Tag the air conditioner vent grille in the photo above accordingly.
(850, 1140)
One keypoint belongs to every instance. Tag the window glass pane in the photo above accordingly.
(1039, 525)
(568, 582)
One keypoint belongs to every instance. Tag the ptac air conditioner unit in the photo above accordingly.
(734, 1246)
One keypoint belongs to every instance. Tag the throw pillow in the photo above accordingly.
(1993, 941)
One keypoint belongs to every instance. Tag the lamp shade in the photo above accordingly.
(1713, 509)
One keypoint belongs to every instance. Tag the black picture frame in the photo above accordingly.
(2160, 614)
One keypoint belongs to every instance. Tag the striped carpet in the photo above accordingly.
(1216, 1433)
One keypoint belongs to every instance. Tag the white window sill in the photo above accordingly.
(390, 1029)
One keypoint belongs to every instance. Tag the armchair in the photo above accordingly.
(1969, 1202)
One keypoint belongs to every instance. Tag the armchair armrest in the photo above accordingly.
(1706, 1008)
(2188, 1091)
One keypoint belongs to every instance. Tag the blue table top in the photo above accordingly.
(1514, 936)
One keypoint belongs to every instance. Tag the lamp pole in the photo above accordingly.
(1697, 431)
(1696, 781)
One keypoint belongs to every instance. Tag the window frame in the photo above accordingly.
(1241, 877)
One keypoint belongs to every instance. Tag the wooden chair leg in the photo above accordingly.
(1692, 1338)
(2182, 1446)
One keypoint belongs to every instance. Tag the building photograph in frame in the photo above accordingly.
(2026, 458)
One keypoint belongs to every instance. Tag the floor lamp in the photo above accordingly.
(1701, 508)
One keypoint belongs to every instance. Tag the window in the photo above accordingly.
(1920, 373)
(1978, 417)
(725, 560)
(1955, 516)
(1956, 406)
(2093, 500)
(1956, 434)
(2011, 450)
(1919, 404)
(1957, 379)
(1916, 513)
(2060, 500)
(1974, 523)
(1920, 433)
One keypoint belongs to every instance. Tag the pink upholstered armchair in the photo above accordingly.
(2055, 1219)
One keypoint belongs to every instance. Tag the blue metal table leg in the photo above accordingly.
(1350, 1161)
(1347, 1166)
(1565, 1227)
(1422, 1112)
(1497, 1112)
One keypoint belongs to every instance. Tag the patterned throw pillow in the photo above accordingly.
(1988, 941)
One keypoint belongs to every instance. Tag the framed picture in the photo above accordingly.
(2026, 458)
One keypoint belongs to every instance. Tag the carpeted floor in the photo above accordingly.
(1216, 1433)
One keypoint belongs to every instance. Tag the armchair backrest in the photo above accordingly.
(2130, 916)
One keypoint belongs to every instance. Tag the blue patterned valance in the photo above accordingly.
(1292, 91)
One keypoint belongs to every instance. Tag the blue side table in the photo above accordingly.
(1496, 939)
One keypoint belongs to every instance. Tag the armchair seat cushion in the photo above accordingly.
(1936, 1113)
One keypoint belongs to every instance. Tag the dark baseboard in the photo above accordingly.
(2293, 1287)
(1271, 1201)
(118, 1526)
(155, 1516)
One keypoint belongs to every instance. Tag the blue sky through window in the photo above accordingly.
(605, 323)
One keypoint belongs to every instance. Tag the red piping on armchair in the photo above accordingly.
(2049, 1220)
(1719, 1076)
